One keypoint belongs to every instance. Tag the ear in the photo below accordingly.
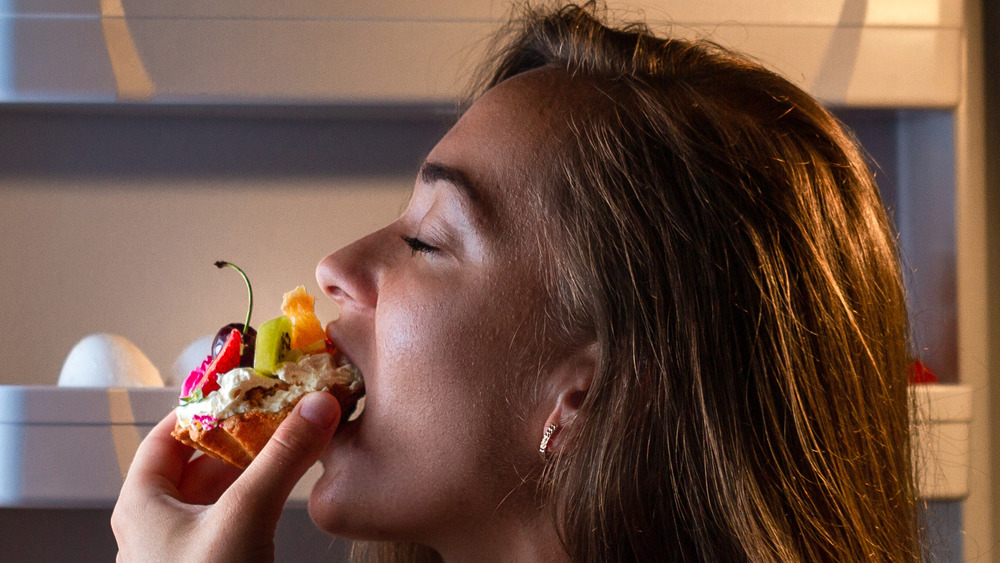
(568, 386)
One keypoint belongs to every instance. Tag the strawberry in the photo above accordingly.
(204, 380)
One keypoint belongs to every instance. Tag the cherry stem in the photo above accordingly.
(222, 264)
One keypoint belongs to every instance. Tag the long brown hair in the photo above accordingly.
(722, 240)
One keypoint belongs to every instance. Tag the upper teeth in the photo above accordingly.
(359, 379)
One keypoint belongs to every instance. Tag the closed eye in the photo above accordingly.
(416, 245)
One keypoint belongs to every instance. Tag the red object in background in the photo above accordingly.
(919, 373)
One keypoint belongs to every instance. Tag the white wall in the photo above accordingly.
(91, 245)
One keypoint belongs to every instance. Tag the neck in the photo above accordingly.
(515, 536)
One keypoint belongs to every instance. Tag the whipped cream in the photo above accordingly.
(267, 394)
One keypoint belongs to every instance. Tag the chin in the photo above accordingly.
(348, 501)
(327, 509)
(333, 504)
(345, 519)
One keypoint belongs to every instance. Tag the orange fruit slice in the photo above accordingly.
(308, 335)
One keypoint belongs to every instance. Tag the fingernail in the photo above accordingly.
(319, 409)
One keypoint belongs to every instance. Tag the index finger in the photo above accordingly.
(160, 455)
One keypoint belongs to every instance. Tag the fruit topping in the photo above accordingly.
(249, 342)
(190, 390)
(308, 335)
(284, 339)
(204, 380)
(229, 356)
(273, 345)
(205, 421)
(247, 331)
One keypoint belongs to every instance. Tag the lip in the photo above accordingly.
(344, 439)
(339, 355)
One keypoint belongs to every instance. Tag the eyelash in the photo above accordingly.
(416, 245)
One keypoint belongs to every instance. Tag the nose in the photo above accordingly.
(350, 276)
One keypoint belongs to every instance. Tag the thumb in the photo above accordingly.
(265, 485)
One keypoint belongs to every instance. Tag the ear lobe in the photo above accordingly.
(569, 384)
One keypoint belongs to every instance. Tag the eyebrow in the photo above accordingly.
(432, 172)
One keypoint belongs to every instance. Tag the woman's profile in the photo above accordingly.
(644, 305)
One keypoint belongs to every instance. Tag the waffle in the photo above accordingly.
(239, 438)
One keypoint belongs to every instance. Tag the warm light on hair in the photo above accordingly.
(721, 238)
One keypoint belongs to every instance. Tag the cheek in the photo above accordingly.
(436, 348)
(451, 359)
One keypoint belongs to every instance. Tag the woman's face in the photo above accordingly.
(442, 312)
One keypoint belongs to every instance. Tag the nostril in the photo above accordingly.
(335, 314)
(335, 292)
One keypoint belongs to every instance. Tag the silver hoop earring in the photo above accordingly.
(543, 448)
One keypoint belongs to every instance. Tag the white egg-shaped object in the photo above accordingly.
(108, 360)
(192, 357)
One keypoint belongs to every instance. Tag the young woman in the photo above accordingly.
(644, 305)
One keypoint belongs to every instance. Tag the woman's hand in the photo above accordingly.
(173, 507)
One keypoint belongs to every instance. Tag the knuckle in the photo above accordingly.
(119, 519)
(290, 445)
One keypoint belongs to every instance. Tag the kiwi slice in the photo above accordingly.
(274, 342)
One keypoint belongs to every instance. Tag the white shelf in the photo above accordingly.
(71, 447)
(887, 53)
